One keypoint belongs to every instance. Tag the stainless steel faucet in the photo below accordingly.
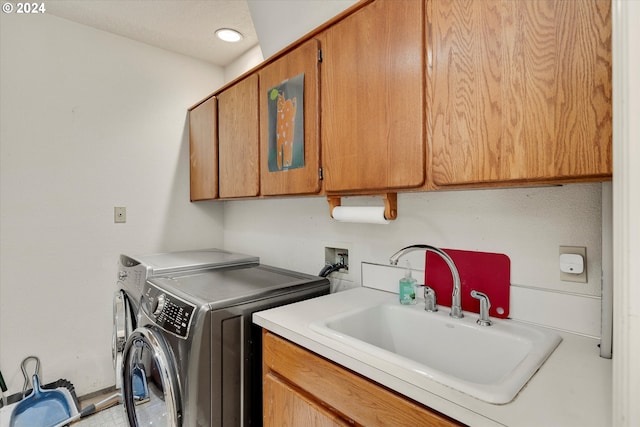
(456, 306)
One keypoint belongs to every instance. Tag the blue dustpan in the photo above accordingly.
(41, 408)
(139, 383)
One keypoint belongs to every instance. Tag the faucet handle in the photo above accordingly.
(430, 300)
(485, 305)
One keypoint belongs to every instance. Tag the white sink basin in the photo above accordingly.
(491, 363)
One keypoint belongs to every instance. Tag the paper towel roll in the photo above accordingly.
(363, 214)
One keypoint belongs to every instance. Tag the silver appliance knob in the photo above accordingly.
(122, 275)
(159, 304)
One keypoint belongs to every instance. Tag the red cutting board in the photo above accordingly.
(485, 272)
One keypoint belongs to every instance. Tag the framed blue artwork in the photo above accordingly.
(286, 125)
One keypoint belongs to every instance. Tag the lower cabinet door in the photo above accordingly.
(304, 389)
(286, 406)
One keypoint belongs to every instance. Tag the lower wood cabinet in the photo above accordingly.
(304, 389)
(287, 406)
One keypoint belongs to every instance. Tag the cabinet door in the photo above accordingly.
(203, 151)
(285, 406)
(320, 383)
(372, 79)
(289, 134)
(239, 170)
(521, 90)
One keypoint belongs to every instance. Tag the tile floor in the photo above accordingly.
(110, 417)
(115, 416)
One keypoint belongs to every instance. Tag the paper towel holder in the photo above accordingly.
(390, 204)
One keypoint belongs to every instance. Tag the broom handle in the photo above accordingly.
(93, 408)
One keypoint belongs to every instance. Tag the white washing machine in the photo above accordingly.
(133, 271)
(195, 358)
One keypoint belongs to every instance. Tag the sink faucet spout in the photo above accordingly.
(396, 257)
(456, 305)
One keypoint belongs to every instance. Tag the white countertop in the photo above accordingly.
(572, 388)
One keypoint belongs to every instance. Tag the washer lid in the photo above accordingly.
(223, 287)
(170, 262)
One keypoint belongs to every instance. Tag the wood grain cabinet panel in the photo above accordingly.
(203, 152)
(302, 385)
(238, 133)
(282, 180)
(521, 90)
(372, 78)
(288, 406)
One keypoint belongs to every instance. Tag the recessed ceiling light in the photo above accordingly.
(228, 35)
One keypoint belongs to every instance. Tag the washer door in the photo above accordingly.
(150, 390)
(122, 328)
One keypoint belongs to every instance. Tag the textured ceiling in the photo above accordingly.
(181, 26)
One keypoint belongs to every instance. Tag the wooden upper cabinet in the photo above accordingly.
(203, 152)
(372, 78)
(289, 131)
(521, 90)
(238, 133)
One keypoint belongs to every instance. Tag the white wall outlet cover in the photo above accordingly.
(119, 214)
(571, 263)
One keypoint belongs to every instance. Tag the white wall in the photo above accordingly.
(279, 23)
(89, 121)
(527, 224)
(247, 61)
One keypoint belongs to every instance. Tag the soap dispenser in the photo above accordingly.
(407, 290)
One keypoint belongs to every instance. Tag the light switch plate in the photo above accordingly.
(572, 277)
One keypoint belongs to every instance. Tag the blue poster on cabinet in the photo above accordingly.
(286, 125)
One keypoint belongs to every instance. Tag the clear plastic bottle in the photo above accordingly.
(406, 288)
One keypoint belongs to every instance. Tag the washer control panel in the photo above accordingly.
(171, 313)
(131, 276)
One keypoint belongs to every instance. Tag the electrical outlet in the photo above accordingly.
(568, 264)
(119, 214)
